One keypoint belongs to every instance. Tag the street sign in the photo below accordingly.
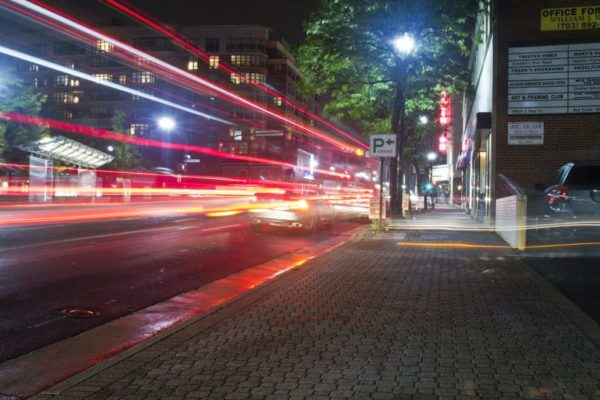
(383, 146)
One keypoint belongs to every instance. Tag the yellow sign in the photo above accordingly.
(570, 18)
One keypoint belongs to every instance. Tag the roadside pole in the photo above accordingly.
(381, 203)
(382, 147)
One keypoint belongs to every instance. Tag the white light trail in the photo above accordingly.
(83, 75)
(187, 75)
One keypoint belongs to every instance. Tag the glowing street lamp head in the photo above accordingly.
(423, 119)
(404, 44)
(166, 123)
(431, 156)
(110, 148)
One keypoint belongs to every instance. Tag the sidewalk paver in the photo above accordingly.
(373, 319)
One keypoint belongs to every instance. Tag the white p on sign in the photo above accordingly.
(383, 146)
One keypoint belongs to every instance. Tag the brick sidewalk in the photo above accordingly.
(372, 319)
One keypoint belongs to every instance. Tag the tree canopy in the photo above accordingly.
(349, 59)
(16, 97)
(126, 155)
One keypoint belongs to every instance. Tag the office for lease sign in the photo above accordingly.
(570, 18)
(556, 79)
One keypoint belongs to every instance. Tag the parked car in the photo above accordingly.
(575, 190)
(302, 212)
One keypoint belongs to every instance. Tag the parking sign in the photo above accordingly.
(383, 146)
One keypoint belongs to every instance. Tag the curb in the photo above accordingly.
(45, 372)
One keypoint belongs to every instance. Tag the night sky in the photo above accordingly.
(285, 17)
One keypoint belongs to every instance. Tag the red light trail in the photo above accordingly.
(159, 26)
(189, 78)
(110, 135)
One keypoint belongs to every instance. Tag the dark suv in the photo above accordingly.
(575, 190)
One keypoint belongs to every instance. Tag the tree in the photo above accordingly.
(16, 97)
(349, 58)
(126, 155)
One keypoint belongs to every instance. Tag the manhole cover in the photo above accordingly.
(79, 313)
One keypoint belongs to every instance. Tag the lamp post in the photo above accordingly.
(404, 45)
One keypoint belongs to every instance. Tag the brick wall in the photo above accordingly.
(566, 137)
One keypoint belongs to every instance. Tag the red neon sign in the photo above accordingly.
(445, 109)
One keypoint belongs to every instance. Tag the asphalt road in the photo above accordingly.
(117, 267)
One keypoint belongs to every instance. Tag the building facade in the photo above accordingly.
(535, 103)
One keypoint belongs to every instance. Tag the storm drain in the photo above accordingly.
(80, 313)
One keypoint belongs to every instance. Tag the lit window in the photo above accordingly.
(236, 134)
(103, 77)
(103, 45)
(235, 78)
(138, 129)
(122, 79)
(69, 64)
(277, 101)
(142, 61)
(213, 62)
(34, 68)
(74, 82)
(192, 64)
(65, 97)
(61, 80)
(142, 77)
(68, 114)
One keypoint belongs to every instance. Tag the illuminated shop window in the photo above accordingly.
(74, 82)
(235, 78)
(277, 101)
(122, 79)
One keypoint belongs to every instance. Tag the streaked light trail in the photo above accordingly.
(188, 76)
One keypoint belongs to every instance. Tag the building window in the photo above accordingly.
(69, 64)
(65, 97)
(74, 83)
(34, 68)
(103, 77)
(61, 80)
(277, 101)
(235, 78)
(212, 45)
(105, 46)
(236, 134)
(122, 79)
(139, 129)
(213, 62)
(67, 114)
(253, 77)
(192, 64)
(142, 77)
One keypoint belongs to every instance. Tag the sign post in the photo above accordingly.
(382, 146)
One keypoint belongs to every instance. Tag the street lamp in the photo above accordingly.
(404, 44)
(167, 124)
(110, 148)
(423, 119)
(431, 156)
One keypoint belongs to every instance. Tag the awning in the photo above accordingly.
(68, 150)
